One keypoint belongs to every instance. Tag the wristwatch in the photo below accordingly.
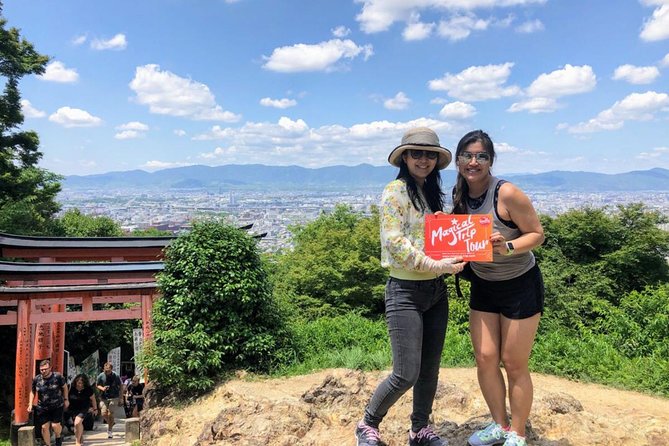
(509, 248)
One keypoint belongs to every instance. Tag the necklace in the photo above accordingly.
(475, 203)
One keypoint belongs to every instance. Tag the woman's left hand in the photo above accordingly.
(498, 243)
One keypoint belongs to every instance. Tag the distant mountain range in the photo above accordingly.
(258, 176)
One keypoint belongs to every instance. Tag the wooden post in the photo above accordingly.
(24, 366)
(43, 340)
(58, 341)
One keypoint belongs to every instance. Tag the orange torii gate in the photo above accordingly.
(57, 273)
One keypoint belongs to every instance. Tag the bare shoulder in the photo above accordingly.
(510, 194)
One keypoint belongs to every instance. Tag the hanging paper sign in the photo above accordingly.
(459, 235)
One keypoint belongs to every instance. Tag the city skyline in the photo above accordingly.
(576, 86)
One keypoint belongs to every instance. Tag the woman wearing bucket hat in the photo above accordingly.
(507, 294)
(416, 297)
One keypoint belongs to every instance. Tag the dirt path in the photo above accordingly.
(322, 408)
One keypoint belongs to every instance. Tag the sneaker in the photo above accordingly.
(493, 434)
(366, 435)
(513, 439)
(426, 437)
(59, 441)
(109, 434)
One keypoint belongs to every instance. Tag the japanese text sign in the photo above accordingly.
(466, 236)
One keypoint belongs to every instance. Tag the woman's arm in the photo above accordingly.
(515, 206)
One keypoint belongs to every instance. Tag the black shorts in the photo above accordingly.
(517, 298)
(48, 415)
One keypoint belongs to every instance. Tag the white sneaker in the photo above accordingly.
(109, 434)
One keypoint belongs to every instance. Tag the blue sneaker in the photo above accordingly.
(493, 434)
(366, 435)
(426, 437)
(513, 439)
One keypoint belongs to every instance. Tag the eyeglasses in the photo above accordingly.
(418, 154)
(481, 157)
(45, 370)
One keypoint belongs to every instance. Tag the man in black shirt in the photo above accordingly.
(51, 391)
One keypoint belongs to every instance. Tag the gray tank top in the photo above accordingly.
(502, 267)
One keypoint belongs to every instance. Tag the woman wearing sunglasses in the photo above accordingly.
(416, 297)
(507, 294)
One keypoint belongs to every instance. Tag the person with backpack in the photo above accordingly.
(109, 384)
(416, 298)
(507, 294)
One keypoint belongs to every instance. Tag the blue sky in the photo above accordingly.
(558, 84)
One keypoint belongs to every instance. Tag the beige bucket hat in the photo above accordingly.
(421, 138)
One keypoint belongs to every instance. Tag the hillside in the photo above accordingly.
(322, 408)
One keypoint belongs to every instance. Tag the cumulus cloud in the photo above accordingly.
(636, 75)
(292, 141)
(278, 103)
(461, 26)
(165, 93)
(131, 130)
(657, 27)
(56, 71)
(180, 132)
(417, 30)
(74, 117)
(457, 110)
(324, 56)
(529, 27)
(29, 111)
(477, 83)
(118, 42)
(159, 165)
(566, 81)
(665, 61)
(379, 15)
(79, 40)
(635, 107)
(654, 153)
(341, 31)
(399, 102)
(535, 105)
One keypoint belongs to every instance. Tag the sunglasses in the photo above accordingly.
(418, 154)
(481, 157)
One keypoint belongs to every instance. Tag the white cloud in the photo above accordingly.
(79, 40)
(399, 102)
(665, 61)
(128, 134)
(477, 83)
(654, 153)
(180, 132)
(323, 56)
(535, 105)
(168, 94)
(278, 103)
(657, 27)
(57, 72)
(635, 107)
(529, 27)
(457, 110)
(636, 75)
(29, 111)
(118, 42)
(461, 26)
(74, 117)
(566, 81)
(341, 31)
(131, 130)
(417, 30)
(379, 15)
(158, 165)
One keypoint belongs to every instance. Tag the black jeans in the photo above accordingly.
(417, 315)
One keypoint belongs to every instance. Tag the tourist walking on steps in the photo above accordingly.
(507, 294)
(82, 405)
(50, 388)
(109, 385)
(416, 297)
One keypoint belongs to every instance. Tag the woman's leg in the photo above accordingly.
(484, 329)
(517, 340)
(78, 429)
(435, 321)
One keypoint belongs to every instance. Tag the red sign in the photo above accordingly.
(461, 235)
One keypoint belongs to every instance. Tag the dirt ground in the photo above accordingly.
(322, 409)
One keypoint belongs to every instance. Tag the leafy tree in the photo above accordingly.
(75, 224)
(335, 265)
(216, 312)
(27, 192)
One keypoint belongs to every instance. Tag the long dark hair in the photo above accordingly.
(84, 378)
(431, 189)
(461, 186)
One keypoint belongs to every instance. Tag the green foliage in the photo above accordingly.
(216, 312)
(75, 224)
(27, 192)
(150, 232)
(334, 267)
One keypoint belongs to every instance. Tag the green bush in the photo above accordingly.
(216, 312)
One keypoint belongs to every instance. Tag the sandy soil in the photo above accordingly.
(322, 409)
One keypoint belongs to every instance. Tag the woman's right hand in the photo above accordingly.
(451, 265)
